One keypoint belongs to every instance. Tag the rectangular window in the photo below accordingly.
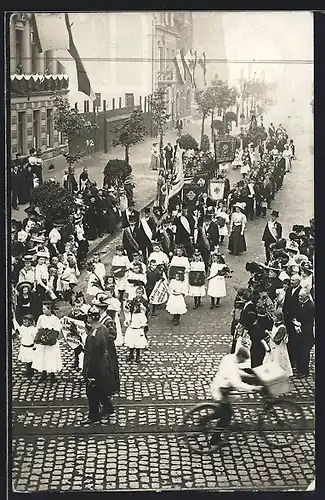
(48, 61)
(60, 138)
(129, 100)
(49, 128)
(19, 49)
(34, 52)
(36, 129)
(21, 132)
(120, 102)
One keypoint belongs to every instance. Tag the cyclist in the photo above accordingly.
(233, 374)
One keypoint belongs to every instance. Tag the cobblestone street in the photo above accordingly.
(142, 446)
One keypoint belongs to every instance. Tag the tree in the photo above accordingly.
(205, 103)
(188, 142)
(160, 116)
(55, 202)
(205, 143)
(71, 124)
(115, 172)
(131, 132)
(224, 96)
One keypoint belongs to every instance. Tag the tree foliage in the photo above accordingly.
(188, 142)
(68, 120)
(159, 109)
(116, 171)
(224, 96)
(131, 132)
(205, 144)
(54, 202)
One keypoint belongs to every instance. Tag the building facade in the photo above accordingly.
(173, 31)
(34, 78)
(130, 55)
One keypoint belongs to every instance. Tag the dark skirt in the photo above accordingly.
(237, 242)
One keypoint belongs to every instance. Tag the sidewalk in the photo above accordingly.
(144, 178)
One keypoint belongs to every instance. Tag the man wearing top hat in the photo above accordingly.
(207, 237)
(129, 237)
(272, 233)
(146, 231)
(184, 233)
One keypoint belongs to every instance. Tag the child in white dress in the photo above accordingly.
(176, 303)
(120, 264)
(137, 325)
(181, 263)
(27, 332)
(95, 282)
(222, 219)
(217, 279)
(197, 279)
(135, 278)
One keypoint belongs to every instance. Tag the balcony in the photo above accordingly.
(38, 84)
(166, 77)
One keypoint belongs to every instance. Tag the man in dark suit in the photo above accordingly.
(146, 231)
(272, 233)
(291, 308)
(129, 237)
(184, 234)
(207, 238)
(130, 212)
(169, 155)
(305, 337)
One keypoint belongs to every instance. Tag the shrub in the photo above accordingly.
(116, 171)
(54, 202)
(188, 142)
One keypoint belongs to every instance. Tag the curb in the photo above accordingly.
(101, 244)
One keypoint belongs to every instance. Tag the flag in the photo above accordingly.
(202, 62)
(52, 33)
(189, 61)
(177, 181)
(82, 77)
(179, 65)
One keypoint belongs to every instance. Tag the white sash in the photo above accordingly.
(146, 229)
(273, 230)
(185, 224)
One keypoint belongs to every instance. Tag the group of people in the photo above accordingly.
(26, 175)
(164, 257)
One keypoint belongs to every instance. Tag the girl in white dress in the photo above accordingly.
(176, 303)
(197, 279)
(244, 169)
(135, 278)
(113, 304)
(179, 260)
(47, 355)
(217, 279)
(222, 219)
(120, 264)
(279, 339)
(99, 266)
(27, 332)
(137, 325)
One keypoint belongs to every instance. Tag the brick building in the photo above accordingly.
(34, 78)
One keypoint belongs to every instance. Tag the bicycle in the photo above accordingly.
(280, 422)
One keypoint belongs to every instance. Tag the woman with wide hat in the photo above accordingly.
(238, 221)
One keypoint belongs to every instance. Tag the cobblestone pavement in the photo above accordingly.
(142, 445)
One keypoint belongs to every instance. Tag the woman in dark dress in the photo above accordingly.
(26, 303)
(237, 242)
(90, 220)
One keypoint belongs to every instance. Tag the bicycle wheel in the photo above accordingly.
(200, 424)
(281, 423)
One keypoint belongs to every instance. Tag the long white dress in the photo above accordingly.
(176, 303)
(48, 358)
(217, 284)
(279, 352)
(134, 335)
(27, 349)
(184, 263)
(197, 291)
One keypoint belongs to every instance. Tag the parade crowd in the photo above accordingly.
(165, 256)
